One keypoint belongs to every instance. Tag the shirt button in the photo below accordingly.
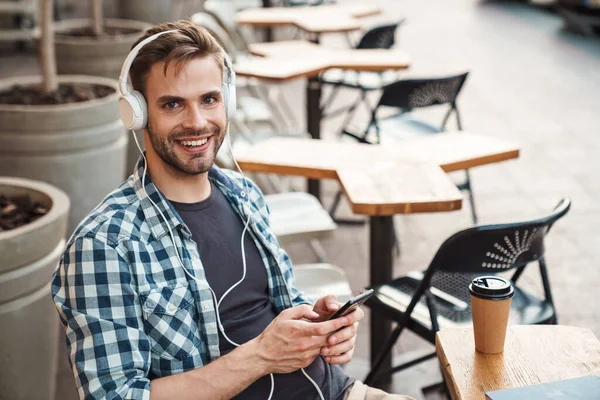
(172, 307)
(205, 307)
(194, 258)
(242, 193)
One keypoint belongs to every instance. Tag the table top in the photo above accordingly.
(320, 159)
(398, 187)
(533, 354)
(292, 59)
(383, 179)
(320, 19)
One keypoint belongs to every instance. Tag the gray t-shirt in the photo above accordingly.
(246, 311)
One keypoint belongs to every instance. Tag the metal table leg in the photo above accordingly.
(313, 123)
(268, 30)
(381, 249)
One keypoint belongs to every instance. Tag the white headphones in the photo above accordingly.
(132, 105)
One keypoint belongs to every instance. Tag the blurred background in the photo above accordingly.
(533, 80)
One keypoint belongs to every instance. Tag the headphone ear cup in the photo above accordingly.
(141, 111)
(230, 100)
(133, 110)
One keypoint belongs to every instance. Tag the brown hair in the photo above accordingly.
(192, 41)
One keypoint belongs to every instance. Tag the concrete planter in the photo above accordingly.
(79, 148)
(90, 56)
(28, 321)
(157, 11)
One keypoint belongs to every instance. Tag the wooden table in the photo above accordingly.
(317, 20)
(533, 354)
(288, 60)
(381, 181)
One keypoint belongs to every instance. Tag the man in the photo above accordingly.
(142, 326)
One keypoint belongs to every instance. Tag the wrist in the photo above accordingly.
(255, 358)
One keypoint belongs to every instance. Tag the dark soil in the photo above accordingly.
(88, 32)
(19, 211)
(66, 93)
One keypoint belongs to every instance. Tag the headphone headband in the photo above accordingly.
(131, 57)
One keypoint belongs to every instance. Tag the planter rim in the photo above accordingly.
(60, 205)
(65, 25)
(6, 83)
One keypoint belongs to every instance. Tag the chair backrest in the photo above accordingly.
(489, 249)
(415, 93)
(379, 37)
(224, 11)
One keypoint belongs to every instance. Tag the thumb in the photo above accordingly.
(299, 312)
(331, 302)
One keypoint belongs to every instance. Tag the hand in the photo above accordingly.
(289, 343)
(326, 307)
(340, 345)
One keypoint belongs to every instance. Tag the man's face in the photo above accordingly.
(186, 114)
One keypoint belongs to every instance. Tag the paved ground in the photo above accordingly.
(529, 81)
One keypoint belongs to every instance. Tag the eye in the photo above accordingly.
(171, 105)
(209, 100)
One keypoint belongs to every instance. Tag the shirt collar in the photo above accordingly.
(149, 193)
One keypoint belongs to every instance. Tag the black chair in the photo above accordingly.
(438, 297)
(379, 37)
(407, 95)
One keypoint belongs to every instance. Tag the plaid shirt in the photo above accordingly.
(130, 311)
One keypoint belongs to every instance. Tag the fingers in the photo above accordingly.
(331, 302)
(340, 359)
(299, 312)
(343, 334)
(340, 348)
(355, 316)
(327, 327)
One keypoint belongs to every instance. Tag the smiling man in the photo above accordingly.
(174, 287)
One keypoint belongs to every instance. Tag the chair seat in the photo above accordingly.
(253, 109)
(358, 80)
(298, 217)
(393, 298)
(404, 126)
(318, 280)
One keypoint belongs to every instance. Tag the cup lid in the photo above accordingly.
(491, 287)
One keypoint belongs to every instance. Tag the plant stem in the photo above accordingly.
(47, 56)
(97, 18)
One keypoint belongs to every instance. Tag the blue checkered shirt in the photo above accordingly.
(130, 311)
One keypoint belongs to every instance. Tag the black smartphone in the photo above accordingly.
(352, 304)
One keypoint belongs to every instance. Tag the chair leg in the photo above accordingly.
(336, 203)
(319, 250)
(350, 113)
(371, 377)
(333, 209)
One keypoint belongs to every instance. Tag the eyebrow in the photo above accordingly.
(168, 98)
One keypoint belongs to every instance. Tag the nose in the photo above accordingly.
(194, 119)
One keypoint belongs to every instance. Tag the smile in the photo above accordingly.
(193, 143)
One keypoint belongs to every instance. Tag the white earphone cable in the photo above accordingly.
(246, 195)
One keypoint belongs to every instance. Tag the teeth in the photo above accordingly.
(194, 143)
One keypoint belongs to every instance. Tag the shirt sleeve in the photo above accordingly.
(257, 197)
(94, 293)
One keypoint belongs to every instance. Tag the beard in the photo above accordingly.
(165, 147)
